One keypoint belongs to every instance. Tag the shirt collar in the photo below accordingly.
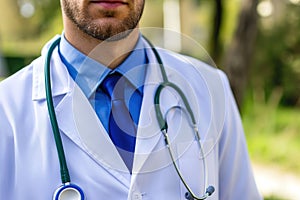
(89, 74)
(134, 66)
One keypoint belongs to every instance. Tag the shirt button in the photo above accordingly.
(137, 196)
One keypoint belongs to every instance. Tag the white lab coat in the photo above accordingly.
(29, 166)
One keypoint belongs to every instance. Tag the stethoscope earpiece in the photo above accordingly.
(68, 191)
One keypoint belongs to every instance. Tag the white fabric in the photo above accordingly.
(29, 166)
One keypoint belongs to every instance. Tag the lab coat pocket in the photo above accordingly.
(197, 168)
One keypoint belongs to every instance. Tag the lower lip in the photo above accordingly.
(109, 5)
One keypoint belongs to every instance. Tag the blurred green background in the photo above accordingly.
(256, 42)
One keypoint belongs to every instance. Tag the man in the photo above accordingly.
(100, 56)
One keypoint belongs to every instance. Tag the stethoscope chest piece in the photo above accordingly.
(68, 191)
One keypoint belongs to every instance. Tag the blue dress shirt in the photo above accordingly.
(89, 74)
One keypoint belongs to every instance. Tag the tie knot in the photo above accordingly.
(114, 85)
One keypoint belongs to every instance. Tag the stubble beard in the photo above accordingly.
(104, 31)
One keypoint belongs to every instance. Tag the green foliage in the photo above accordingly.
(272, 198)
(24, 37)
(45, 12)
(277, 61)
(272, 131)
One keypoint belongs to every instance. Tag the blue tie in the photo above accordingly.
(122, 129)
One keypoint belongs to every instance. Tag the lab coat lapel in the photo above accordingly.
(79, 122)
(61, 86)
(93, 135)
(76, 118)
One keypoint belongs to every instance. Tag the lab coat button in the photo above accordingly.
(137, 196)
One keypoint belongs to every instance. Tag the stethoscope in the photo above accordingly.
(70, 191)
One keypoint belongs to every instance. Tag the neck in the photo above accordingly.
(108, 53)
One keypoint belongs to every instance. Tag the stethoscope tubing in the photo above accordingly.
(65, 176)
(164, 127)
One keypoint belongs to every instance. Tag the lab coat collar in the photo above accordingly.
(59, 75)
